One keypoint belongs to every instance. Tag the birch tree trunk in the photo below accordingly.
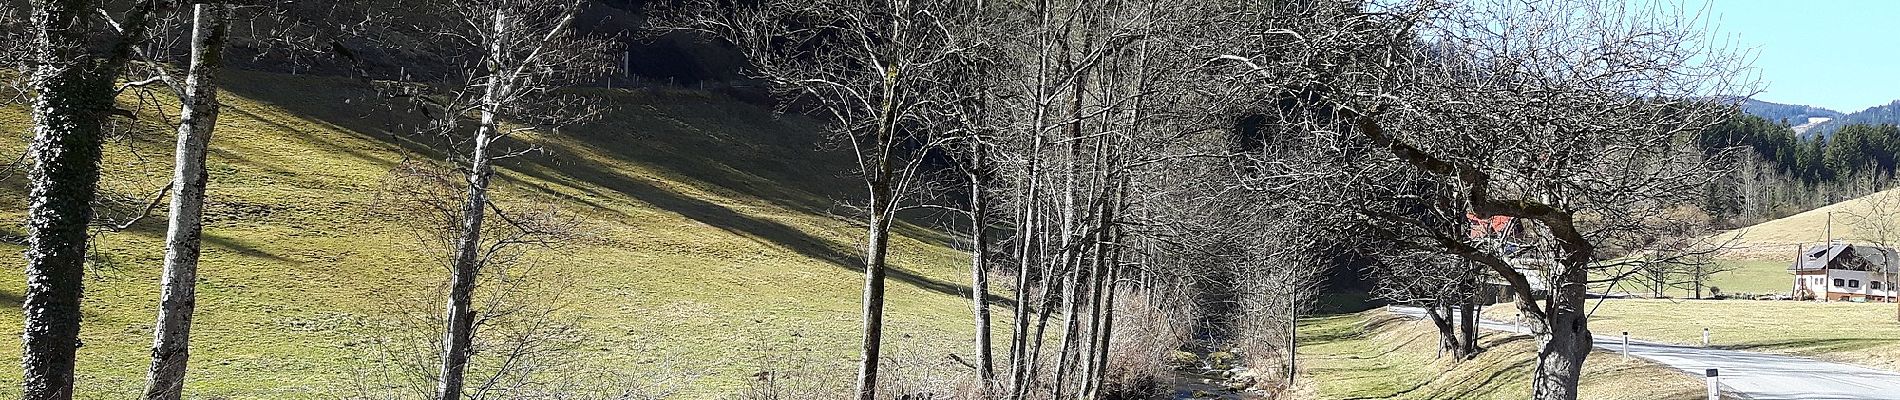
(171, 334)
(457, 339)
(73, 95)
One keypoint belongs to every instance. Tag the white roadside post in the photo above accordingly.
(1715, 384)
(1517, 323)
(1626, 344)
(1705, 337)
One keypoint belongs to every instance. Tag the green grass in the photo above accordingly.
(712, 247)
(1753, 277)
(1378, 355)
(1742, 276)
(1861, 333)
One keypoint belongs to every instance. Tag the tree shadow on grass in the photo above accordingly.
(722, 164)
(762, 230)
(10, 299)
(1490, 381)
(1499, 339)
(241, 248)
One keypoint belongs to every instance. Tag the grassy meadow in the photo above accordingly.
(714, 245)
(1860, 333)
(1379, 355)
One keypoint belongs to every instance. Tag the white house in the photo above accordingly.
(1846, 272)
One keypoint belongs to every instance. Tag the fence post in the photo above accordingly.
(1626, 344)
(1715, 384)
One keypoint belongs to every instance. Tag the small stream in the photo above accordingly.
(1188, 385)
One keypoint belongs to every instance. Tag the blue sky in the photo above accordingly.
(1839, 54)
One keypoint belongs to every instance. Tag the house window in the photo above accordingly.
(1838, 282)
(1853, 283)
(1875, 285)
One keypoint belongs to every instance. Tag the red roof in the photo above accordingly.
(1487, 227)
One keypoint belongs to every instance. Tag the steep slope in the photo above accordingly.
(1776, 240)
(711, 252)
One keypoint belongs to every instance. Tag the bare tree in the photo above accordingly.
(873, 69)
(1875, 222)
(519, 54)
(1568, 116)
(529, 344)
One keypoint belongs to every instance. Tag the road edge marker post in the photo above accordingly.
(1626, 344)
(1715, 383)
(1705, 336)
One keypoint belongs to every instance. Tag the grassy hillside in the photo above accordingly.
(1379, 355)
(1777, 240)
(712, 248)
(1761, 254)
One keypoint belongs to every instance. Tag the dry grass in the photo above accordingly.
(1777, 240)
(1376, 354)
(712, 245)
(1859, 333)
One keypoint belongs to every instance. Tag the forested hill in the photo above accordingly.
(1887, 114)
(1787, 114)
(1811, 121)
(1781, 173)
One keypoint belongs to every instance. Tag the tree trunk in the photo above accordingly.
(1105, 317)
(876, 247)
(1563, 339)
(1468, 326)
(73, 94)
(980, 276)
(67, 118)
(1026, 236)
(1021, 360)
(875, 251)
(1049, 281)
(1100, 282)
(1468, 311)
(171, 334)
(458, 338)
(1292, 335)
(1440, 313)
(1071, 307)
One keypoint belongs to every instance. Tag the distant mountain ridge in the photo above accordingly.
(1887, 114)
(1809, 121)
(1792, 114)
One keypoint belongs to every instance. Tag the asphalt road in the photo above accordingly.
(1756, 375)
